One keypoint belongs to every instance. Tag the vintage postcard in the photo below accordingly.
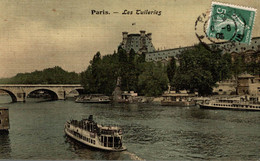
(129, 80)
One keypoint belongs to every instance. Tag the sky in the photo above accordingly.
(39, 34)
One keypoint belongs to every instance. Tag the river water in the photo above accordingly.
(150, 132)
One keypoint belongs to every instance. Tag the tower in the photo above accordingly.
(143, 47)
(125, 34)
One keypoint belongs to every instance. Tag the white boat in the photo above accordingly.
(94, 135)
(230, 103)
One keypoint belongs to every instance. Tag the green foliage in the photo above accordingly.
(101, 75)
(238, 66)
(171, 68)
(200, 69)
(153, 81)
(253, 68)
(55, 75)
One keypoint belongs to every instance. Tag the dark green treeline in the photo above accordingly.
(55, 75)
(197, 70)
(148, 79)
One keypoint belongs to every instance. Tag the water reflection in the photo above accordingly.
(204, 145)
(150, 132)
(5, 99)
(198, 113)
(86, 152)
(5, 148)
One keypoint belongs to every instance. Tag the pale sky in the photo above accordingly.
(38, 34)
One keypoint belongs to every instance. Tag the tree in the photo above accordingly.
(55, 75)
(171, 69)
(253, 67)
(238, 66)
(153, 81)
(101, 74)
(200, 69)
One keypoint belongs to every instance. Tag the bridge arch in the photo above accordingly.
(79, 90)
(52, 93)
(11, 94)
(19, 92)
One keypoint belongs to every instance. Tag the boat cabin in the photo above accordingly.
(178, 99)
(108, 136)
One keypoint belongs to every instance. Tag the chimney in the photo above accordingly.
(143, 47)
(149, 35)
(142, 32)
(125, 34)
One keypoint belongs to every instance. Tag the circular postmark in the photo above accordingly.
(220, 28)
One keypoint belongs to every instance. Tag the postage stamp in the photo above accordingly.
(231, 22)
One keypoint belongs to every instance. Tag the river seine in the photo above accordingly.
(150, 132)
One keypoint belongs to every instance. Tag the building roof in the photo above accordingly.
(245, 75)
(3, 108)
(133, 35)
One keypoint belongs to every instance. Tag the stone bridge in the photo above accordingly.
(19, 92)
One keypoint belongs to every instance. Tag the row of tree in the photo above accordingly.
(136, 75)
(55, 75)
(198, 70)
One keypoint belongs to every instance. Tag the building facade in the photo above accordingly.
(248, 85)
(140, 43)
(249, 52)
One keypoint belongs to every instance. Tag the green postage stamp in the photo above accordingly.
(231, 22)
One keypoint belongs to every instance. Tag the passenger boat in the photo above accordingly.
(230, 103)
(94, 135)
(92, 98)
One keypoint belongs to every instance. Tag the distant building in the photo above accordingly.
(4, 118)
(249, 52)
(248, 85)
(138, 42)
(226, 87)
(142, 43)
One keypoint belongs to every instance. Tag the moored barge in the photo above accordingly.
(92, 98)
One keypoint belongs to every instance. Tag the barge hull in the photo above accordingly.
(228, 108)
